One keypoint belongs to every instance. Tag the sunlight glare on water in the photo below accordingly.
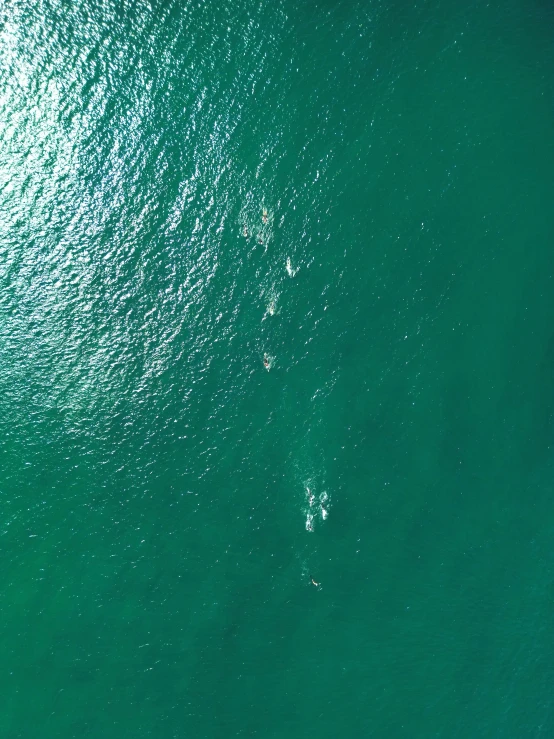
(275, 369)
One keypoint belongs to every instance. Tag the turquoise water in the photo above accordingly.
(166, 499)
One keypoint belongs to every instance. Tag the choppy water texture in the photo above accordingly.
(359, 196)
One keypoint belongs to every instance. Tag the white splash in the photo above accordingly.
(324, 505)
(271, 305)
(290, 271)
(316, 507)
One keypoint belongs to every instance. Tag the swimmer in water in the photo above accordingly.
(264, 215)
(245, 232)
(260, 239)
(266, 361)
(314, 582)
(311, 497)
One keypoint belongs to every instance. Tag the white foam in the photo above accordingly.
(290, 271)
(271, 305)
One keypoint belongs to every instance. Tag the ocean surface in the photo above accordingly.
(276, 369)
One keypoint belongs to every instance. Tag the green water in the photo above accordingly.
(157, 537)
